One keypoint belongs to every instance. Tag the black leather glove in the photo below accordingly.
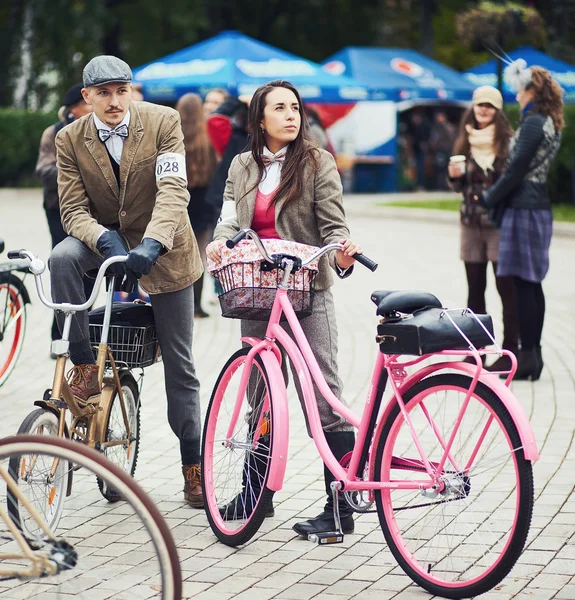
(143, 257)
(111, 243)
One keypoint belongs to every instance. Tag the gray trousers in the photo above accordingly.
(174, 317)
(320, 329)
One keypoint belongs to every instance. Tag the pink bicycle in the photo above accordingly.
(447, 460)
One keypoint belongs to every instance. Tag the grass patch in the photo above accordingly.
(561, 212)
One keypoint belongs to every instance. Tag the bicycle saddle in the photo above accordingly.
(404, 301)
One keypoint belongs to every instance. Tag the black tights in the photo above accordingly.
(530, 312)
(477, 282)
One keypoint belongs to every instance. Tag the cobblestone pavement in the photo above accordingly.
(411, 254)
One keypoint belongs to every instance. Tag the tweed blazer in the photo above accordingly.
(317, 217)
(141, 206)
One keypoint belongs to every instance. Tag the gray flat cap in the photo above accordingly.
(106, 69)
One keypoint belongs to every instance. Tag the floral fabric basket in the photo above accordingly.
(247, 291)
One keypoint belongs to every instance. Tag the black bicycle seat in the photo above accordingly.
(403, 301)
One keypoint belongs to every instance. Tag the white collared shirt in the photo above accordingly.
(272, 172)
(114, 143)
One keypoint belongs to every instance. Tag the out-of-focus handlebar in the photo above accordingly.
(242, 233)
(37, 267)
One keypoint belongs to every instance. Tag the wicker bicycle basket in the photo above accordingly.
(246, 291)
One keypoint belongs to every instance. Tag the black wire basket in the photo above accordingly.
(248, 292)
(135, 346)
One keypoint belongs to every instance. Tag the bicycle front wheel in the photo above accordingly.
(12, 327)
(235, 464)
(121, 550)
(462, 538)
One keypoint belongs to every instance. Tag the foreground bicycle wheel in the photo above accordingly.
(44, 483)
(124, 548)
(12, 327)
(235, 468)
(125, 455)
(463, 539)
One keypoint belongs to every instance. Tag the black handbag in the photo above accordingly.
(430, 330)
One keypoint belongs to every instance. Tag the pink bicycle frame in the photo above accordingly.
(305, 363)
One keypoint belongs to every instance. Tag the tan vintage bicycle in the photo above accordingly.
(88, 558)
(111, 426)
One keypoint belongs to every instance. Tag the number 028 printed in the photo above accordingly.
(171, 164)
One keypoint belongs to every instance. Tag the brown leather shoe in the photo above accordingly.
(193, 485)
(83, 381)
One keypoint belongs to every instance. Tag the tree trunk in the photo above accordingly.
(427, 7)
(9, 36)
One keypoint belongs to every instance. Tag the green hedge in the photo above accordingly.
(20, 133)
(560, 176)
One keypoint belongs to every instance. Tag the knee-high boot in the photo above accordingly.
(340, 443)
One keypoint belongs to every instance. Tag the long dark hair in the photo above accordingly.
(200, 157)
(503, 133)
(301, 152)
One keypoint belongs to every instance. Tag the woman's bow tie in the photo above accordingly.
(270, 160)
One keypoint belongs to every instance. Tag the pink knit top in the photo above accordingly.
(264, 219)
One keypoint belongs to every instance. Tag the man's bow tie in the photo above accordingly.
(121, 131)
(270, 160)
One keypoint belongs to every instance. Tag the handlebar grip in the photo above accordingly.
(366, 262)
(240, 235)
(12, 254)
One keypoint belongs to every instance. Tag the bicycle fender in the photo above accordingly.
(6, 277)
(499, 388)
(280, 415)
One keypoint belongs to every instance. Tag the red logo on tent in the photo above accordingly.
(406, 67)
(335, 67)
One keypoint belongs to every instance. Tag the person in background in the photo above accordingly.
(74, 107)
(419, 131)
(227, 130)
(214, 98)
(527, 218)
(441, 138)
(483, 139)
(284, 169)
(200, 167)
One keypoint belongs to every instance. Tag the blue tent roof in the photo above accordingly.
(399, 74)
(240, 64)
(564, 73)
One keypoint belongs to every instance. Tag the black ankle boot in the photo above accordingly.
(539, 356)
(529, 365)
(255, 467)
(340, 443)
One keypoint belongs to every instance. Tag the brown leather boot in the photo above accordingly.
(193, 485)
(83, 381)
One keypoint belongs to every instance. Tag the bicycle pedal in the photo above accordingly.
(326, 537)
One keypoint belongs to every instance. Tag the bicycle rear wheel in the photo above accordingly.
(235, 468)
(123, 548)
(125, 455)
(12, 327)
(44, 482)
(462, 539)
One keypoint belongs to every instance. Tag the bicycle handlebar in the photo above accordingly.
(242, 233)
(38, 266)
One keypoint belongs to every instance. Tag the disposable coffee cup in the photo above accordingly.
(459, 159)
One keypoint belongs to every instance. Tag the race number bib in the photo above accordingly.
(171, 164)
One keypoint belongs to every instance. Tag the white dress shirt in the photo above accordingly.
(114, 143)
(272, 172)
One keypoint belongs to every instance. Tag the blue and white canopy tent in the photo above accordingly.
(398, 79)
(564, 73)
(240, 64)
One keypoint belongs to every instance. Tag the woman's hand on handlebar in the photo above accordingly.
(214, 250)
(344, 257)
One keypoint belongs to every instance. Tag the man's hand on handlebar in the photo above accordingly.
(344, 257)
(109, 244)
(143, 257)
(214, 250)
